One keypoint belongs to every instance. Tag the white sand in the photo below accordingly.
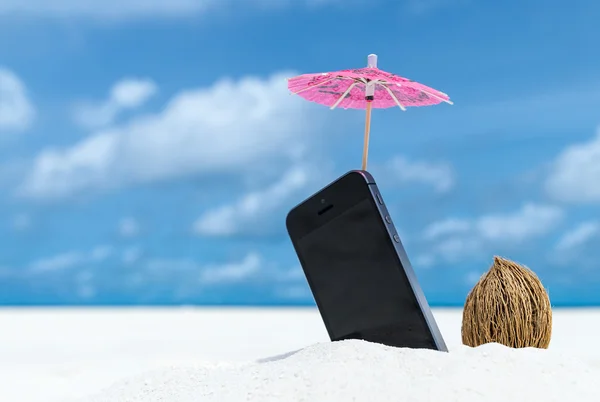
(360, 371)
(55, 355)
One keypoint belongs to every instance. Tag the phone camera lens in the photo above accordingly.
(322, 200)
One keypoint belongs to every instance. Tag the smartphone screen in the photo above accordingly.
(356, 275)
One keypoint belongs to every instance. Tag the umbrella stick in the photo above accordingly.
(367, 130)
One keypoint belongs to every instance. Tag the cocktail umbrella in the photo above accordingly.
(364, 88)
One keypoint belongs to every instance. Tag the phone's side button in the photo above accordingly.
(379, 200)
(388, 219)
(396, 238)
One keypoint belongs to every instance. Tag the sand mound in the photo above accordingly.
(361, 371)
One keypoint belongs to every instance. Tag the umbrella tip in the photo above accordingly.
(372, 61)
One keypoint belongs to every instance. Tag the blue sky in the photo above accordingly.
(149, 151)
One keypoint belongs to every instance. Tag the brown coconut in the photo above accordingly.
(509, 306)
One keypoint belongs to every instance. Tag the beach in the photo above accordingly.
(183, 354)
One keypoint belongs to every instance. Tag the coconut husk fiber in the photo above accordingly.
(510, 306)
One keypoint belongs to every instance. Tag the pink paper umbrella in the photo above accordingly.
(364, 88)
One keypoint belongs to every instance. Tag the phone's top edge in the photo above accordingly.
(366, 175)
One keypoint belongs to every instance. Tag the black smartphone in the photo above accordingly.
(359, 274)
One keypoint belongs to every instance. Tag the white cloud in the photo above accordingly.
(109, 9)
(251, 209)
(114, 10)
(447, 226)
(458, 238)
(70, 259)
(230, 127)
(132, 92)
(530, 221)
(233, 272)
(16, 111)
(578, 236)
(127, 94)
(230, 272)
(575, 173)
(57, 262)
(129, 227)
(440, 176)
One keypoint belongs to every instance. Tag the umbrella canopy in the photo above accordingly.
(364, 88)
